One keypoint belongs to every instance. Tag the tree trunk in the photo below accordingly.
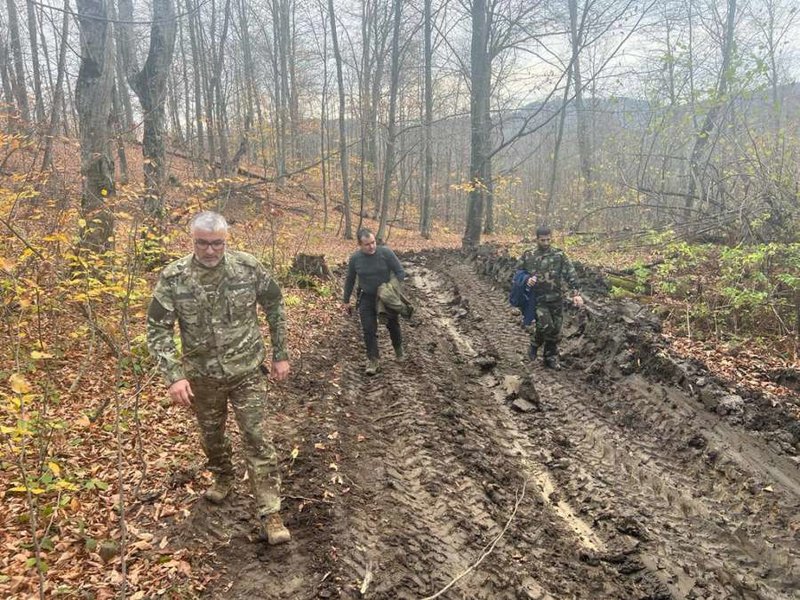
(119, 135)
(584, 149)
(488, 223)
(249, 78)
(201, 62)
(198, 87)
(710, 122)
(93, 99)
(280, 97)
(551, 190)
(123, 108)
(323, 120)
(174, 111)
(8, 92)
(37, 74)
(18, 80)
(479, 140)
(425, 222)
(187, 107)
(391, 135)
(150, 86)
(218, 96)
(348, 227)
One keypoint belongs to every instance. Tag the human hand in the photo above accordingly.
(577, 301)
(531, 281)
(180, 392)
(280, 370)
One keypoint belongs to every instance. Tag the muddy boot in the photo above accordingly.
(551, 362)
(273, 530)
(400, 354)
(373, 367)
(219, 490)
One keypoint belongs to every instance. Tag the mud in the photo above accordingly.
(468, 472)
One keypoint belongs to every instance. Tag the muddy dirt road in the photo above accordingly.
(427, 482)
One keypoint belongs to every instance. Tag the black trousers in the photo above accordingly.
(368, 313)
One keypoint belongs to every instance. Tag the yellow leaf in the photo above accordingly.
(82, 222)
(53, 466)
(295, 452)
(36, 355)
(19, 384)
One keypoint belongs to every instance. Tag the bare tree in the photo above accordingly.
(58, 94)
(37, 76)
(696, 170)
(480, 80)
(391, 135)
(427, 176)
(150, 85)
(348, 227)
(18, 80)
(93, 98)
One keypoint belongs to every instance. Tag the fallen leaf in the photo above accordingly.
(19, 385)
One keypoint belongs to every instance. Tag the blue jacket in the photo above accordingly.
(522, 297)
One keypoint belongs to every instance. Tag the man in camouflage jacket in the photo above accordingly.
(548, 268)
(213, 295)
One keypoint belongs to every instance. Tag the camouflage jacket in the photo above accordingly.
(551, 267)
(220, 335)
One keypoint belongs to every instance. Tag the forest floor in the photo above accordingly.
(469, 472)
(648, 467)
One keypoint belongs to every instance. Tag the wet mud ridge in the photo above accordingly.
(468, 472)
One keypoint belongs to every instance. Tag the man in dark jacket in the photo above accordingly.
(373, 265)
(548, 267)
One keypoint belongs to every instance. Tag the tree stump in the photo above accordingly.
(311, 265)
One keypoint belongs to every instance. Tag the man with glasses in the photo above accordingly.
(213, 294)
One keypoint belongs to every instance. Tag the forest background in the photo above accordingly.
(661, 138)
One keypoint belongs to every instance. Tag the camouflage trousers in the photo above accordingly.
(547, 330)
(247, 396)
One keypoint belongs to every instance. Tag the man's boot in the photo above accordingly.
(533, 350)
(551, 362)
(219, 490)
(273, 529)
(373, 366)
(399, 353)
(551, 356)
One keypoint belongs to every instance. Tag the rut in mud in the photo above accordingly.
(426, 481)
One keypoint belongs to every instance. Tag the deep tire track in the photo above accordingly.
(404, 479)
(714, 532)
(452, 461)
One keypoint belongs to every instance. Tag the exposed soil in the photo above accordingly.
(468, 465)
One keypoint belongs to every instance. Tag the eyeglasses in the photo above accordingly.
(205, 244)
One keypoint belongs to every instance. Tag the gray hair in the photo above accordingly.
(208, 221)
